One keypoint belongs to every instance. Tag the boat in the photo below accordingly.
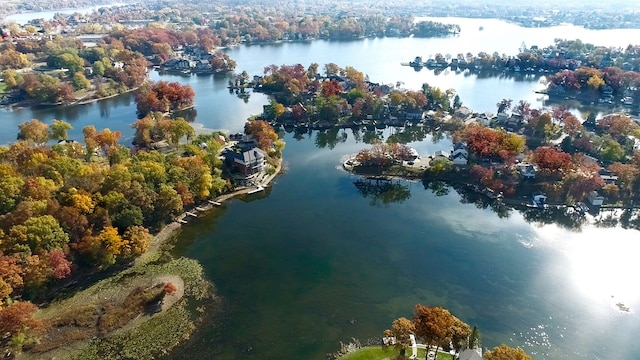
(417, 62)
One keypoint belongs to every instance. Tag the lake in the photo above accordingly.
(314, 262)
(378, 58)
(24, 18)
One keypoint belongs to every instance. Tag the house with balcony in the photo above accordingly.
(248, 162)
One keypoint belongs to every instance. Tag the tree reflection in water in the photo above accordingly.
(382, 192)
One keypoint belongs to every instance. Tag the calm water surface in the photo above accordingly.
(315, 262)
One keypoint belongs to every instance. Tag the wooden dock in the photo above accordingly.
(191, 214)
(201, 209)
(214, 203)
(258, 189)
(182, 221)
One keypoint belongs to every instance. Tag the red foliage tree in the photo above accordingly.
(331, 87)
(163, 96)
(60, 266)
(552, 160)
(18, 318)
(488, 142)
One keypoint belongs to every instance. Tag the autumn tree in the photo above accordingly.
(17, 319)
(137, 239)
(487, 142)
(401, 329)
(10, 276)
(42, 232)
(572, 125)
(331, 87)
(504, 105)
(264, 133)
(79, 81)
(504, 352)
(163, 97)
(550, 160)
(35, 131)
(617, 125)
(627, 176)
(434, 325)
(178, 129)
(59, 130)
(460, 333)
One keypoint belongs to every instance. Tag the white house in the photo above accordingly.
(440, 153)
(459, 157)
(595, 199)
(527, 170)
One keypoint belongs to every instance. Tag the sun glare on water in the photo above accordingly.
(603, 264)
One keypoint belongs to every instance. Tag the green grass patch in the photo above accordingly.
(112, 318)
(3, 87)
(390, 353)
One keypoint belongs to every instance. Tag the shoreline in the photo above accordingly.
(218, 200)
(164, 330)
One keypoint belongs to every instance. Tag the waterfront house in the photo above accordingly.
(502, 117)
(248, 162)
(526, 170)
(608, 177)
(440, 153)
(414, 115)
(460, 154)
(595, 199)
(459, 157)
(539, 199)
(462, 113)
(246, 142)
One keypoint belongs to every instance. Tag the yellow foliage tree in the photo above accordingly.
(82, 201)
(595, 82)
(504, 352)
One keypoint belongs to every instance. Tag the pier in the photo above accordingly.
(258, 189)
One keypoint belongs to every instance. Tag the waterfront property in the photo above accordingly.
(248, 162)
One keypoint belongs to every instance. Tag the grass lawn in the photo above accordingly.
(3, 89)
(379, 353)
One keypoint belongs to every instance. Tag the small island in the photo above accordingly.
(528, 157)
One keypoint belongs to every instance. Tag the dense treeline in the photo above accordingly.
(157, 41)
(78, 72)
(69, 208)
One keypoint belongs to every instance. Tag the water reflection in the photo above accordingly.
(330, 138)
(382, 192)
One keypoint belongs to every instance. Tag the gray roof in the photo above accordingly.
(249, 156)
(470, 354)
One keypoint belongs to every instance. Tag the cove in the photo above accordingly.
(315, 263)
